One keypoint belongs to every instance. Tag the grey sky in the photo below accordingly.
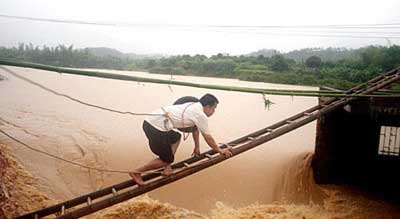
(195, 38)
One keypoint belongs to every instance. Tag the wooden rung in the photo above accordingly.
(289, 122)
(89, 201)
(209, 156)
(114, 192)
(62, 210)
(250, 138)
(186, 164)
(270, 130)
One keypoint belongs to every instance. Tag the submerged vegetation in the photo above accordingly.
(334, 67)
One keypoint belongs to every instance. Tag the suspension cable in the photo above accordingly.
(60, 158)
(74, 99)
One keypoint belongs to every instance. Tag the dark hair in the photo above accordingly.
(186, 99)
(208, 100)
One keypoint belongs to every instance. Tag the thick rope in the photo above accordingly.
(74, 99)
(285, 92)
(185, 136)
(60, 158)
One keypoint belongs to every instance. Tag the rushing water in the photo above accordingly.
(108, 140)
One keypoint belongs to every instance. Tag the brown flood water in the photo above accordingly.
(107, 140)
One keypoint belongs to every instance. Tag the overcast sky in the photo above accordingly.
(192, 27)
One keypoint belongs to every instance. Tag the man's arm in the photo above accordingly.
(196, 135)
(211, 142)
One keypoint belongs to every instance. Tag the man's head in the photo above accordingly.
(209, 103)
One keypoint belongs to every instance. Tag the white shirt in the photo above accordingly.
(192, 114)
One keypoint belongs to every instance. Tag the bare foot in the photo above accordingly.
(167, 171)
(136, 176)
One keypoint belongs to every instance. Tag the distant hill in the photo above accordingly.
(264, 52)
(328, 54)
(104, 52)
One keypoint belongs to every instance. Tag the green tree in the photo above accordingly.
(313, 62)
(279, 63)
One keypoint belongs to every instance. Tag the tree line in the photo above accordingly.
(341, 70)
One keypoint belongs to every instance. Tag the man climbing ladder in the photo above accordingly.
(164, 140)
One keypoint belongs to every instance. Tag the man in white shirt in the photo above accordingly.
(164, 141)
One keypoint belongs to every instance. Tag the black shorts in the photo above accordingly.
(160, 142)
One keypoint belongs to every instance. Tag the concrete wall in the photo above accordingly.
(347, 145)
